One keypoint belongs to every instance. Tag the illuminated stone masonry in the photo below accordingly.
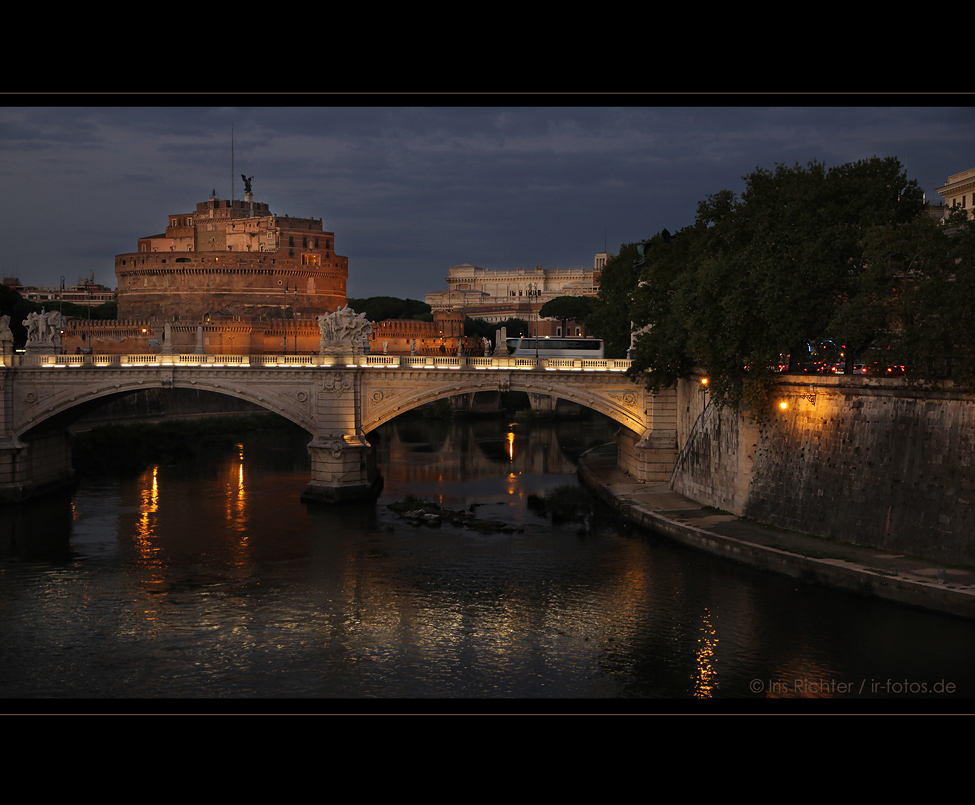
(232, 259)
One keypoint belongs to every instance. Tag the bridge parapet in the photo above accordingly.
(325, 361)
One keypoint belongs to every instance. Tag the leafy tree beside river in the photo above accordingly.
(844, 260)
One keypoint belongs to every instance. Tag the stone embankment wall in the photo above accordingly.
(864, 460)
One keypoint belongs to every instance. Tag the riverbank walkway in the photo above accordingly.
(856, 568)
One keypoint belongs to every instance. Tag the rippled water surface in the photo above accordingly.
(211, 580)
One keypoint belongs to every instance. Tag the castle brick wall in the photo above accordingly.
(173, 286)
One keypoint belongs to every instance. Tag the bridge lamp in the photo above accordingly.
(783, 405)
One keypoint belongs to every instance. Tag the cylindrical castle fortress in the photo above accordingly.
(232, 259)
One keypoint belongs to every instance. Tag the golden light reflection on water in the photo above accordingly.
(704, 685)
(511, 446)
(148, 509)
(146, 539)
(236, 500)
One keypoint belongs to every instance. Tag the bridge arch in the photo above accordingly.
(97, 410)
(38, 408)
(385, 399)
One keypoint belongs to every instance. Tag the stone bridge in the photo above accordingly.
(337, 399)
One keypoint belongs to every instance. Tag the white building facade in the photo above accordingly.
(959, 191)
(494, 296)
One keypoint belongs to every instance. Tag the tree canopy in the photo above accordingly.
(611, 315)
(841, 260)
(383, 308)
(13, 304)
(567, 308)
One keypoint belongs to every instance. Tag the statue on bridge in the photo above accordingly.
(344, 332)
(43, 331)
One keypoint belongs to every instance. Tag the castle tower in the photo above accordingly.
(232, 259)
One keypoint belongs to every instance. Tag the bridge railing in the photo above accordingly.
(322, 361)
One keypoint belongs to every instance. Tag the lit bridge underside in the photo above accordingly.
(337, 399)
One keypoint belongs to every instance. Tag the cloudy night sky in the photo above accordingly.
(411, 190)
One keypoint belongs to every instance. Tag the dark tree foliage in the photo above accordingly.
(656, 300)
(383, 308)
(514, 327)
(13, 304)
(488, 330)
(610, 318)
(479, 327)
(843, 258)
(932, 312)
(105, 311)
(567, 308)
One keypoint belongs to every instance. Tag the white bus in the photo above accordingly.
(556, 347)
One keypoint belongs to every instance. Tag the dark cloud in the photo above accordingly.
(410, 191)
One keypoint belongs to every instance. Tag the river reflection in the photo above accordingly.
(212, 580)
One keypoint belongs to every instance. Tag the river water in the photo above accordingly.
(210, 581)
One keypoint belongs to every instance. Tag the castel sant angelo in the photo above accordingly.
(232, 259)
(233, 277)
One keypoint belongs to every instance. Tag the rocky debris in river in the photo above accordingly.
(563, 504)
(417, 511)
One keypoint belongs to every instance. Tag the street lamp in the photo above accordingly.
(284, 315)
(532, 291)
(88, 282)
